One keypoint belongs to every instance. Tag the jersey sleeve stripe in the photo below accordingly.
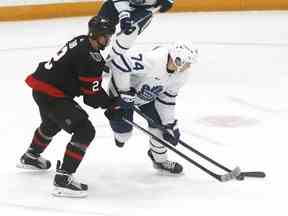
(120, 68)
(120, 46)
(90, 79)
(87, 91)
(159, 147)
(43, 87)
(123, 60)
(170, 95)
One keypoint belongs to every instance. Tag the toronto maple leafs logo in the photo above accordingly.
(148, 94)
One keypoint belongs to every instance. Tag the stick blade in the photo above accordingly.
(256, 174)
(231, 175)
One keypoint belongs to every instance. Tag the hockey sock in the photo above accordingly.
(39, 142)
(83, 135)
(159, 151)
(73, 156)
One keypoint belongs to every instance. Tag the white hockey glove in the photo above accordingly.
(125, 22)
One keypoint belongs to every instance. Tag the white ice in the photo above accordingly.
(234, 109)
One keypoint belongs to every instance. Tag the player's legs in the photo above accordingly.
(65, 185)
(32, 158)
(157, 151)
(66, 114)
(73, 119)
(122, 130)
(43, 135)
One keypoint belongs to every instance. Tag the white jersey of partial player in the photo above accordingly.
(128, 5)
(123, 42)
(147, 73)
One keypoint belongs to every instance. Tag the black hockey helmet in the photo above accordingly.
(100, 26)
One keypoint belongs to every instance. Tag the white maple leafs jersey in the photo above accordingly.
(147, 74)
(127, 5)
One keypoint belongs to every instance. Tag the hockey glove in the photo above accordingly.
(101, 99)
(125, 22)
(114, 113)
(165, 5)
(126, 99)
(172, 133)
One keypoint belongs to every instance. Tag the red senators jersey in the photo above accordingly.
(75, 70)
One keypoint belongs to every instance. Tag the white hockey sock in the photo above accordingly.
(159, 151)
(122, 137)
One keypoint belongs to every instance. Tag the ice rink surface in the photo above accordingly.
(234, 108)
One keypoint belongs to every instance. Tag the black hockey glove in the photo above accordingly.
(114, 113)
(125, 22)
(101, 99)
(172, 133)
(165, 5)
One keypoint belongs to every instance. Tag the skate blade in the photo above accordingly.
(29, 167)
(167, 173)
(63, 192)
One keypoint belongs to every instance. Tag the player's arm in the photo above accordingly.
(122, 67)
(90, 78)
(121, 87)
(165, 105)
(123, 8)
(95, 96)
(121, 5)
(93, 93)
(166, 101)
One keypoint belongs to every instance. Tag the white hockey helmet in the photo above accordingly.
(183, 55)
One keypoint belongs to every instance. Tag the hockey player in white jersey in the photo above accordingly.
(151, 81)
(133, 16)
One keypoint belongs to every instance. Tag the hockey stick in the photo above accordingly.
(222, 178)
(256, 174)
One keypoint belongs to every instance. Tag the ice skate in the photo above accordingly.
(118, 143)
(167, 166)
(32, 161)
(66, 186)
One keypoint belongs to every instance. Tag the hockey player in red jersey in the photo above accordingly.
(76, 70)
